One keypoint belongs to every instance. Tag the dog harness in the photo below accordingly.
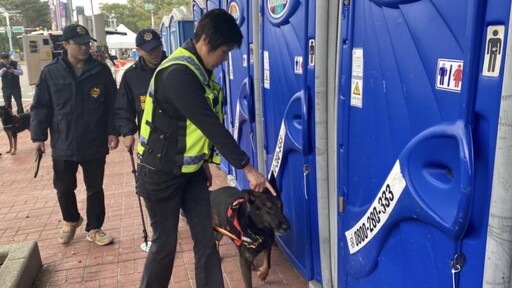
(233, 229)
(15, 122)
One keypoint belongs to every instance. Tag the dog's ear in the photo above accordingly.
(273, 182)
(249, 196)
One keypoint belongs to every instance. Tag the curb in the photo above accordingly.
(19, 264)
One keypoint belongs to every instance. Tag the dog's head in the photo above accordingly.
(266, 210)
(4, 111)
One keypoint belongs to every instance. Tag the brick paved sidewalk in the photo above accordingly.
(29, 212)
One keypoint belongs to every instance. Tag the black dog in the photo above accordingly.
(250, 219)
(13, 124)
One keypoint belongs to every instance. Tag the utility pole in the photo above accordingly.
(57, 14)
(71, 16)
(150, 7)
(111, 19)
(9, 32)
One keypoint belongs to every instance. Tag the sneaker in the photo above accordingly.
(99, 237)
(67, 233)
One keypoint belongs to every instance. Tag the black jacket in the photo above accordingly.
(131, 96)
(79, 111)
(9, 80)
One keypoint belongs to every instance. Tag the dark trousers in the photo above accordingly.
(8, 94)
(64, 181)
(169, 193)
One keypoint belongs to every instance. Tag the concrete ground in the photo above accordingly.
(29, 212)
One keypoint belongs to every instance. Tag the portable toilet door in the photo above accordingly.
(164, 34)
(181, 27)
(288, 40)
(241, 92)
(220, 78)
(215, 4)
(198, 9)
(419, 95)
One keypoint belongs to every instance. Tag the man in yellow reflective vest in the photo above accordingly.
(181, 130)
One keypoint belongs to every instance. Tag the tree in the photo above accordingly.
(134, 15)
(32, 13)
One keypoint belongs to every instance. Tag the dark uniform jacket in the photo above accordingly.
(179, 95)
(79, 111)
(131, 96)
(9, 80)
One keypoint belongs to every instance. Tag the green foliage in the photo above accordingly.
(134, 15)
(32, 13)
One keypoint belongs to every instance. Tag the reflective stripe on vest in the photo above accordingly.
(198, 147)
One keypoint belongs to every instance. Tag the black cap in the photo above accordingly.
(4, 56)
(147, 39)
(77, 33)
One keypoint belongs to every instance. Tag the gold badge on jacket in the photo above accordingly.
(95, 92)
(142, 101)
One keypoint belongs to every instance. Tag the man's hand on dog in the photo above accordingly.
(257, 181)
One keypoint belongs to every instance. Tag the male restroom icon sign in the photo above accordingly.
(494, 45)
(493, 51)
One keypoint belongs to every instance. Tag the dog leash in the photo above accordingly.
(39, 156)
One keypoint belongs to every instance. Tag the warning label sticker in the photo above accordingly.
(356, 89)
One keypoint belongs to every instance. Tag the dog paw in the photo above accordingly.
(13, 153)
(262, 274)
(7, 152)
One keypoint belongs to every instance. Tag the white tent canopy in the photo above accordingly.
(121, 41)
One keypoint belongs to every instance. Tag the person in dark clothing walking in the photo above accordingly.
(180, 132)
(74, 99)
(133, 89)
(10, 71)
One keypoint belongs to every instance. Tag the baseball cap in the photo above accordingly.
(4, 56)
(77, 33)
(147, 39)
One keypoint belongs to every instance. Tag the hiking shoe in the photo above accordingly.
(67, 233)
(99, 237)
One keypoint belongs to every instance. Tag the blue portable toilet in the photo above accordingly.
(181, 27)
(215, 4)
(220, 73)
(198, 9)
(288, 67)
(420, 89)
(164, 34)
(240, 89)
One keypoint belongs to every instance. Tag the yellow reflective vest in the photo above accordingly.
(159, 146)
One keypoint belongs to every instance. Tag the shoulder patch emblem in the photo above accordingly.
(81, 30)
(143, 101)
(95, 92)
(148, 36)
